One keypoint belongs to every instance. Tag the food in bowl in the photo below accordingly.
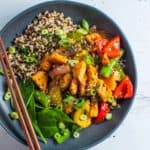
(71, 76)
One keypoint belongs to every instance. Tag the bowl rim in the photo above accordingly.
(42, 4)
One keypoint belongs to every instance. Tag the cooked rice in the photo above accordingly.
(38, 44)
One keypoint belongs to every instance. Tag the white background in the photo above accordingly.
(133, 17)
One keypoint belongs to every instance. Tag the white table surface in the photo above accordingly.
(133, 16)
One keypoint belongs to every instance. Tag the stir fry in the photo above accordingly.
(77, 84)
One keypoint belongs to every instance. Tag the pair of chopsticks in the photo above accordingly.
(18, 100)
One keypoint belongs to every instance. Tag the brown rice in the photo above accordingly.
(38, 45)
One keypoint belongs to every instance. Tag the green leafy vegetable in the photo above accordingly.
(74, 128)
(38, 131)
(38, 106)
(32, 114)
(31, 109)
(54, 113)
(85, 25)
(27, 90)
(49, 131)
(24, 50)
(81, 31)
(49, 121)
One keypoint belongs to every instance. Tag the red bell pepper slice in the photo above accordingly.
(112, 48)
(99, 45)
(104, 108)
(124, 89)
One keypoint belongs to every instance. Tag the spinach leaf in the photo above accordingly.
(64, 117)
(45, 121)
(48, 120)
(32, 114)
(54, 114)
(49, 131)
(27, 90)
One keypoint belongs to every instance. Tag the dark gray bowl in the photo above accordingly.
(96, 133)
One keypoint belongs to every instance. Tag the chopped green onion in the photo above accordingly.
(92, 92)
(7, 95)
(64, 42)
(61, 125)
(111, 100)
(85, 25)
(72, 62)
(60, 34)
(14, 115)
(108, 116)
(69, 98)
(79, 102)
(12, 50)
(45, 32)
(76, 134)
(89, 60)
(65, 132)
(81, 31)
(83, 117)
(61, 138)
(60, 107)
(114, 103)
(57, 135)
(30, 59)
(63, 36)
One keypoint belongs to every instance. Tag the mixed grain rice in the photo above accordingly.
(38, 45)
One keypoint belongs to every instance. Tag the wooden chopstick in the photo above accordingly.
(22, 122)
(18, 101)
